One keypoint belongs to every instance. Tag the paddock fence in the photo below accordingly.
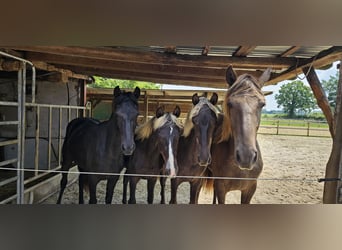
(294, 127)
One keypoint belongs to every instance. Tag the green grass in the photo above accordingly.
(291, 123)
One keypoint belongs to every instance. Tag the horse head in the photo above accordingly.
(242, 109)
(125, 108)
(167, 130)
(202, 119)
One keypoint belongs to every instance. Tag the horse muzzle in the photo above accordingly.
(204, 163)
(128, 150)
(246, 159)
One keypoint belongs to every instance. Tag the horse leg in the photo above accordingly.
(220, 192)
(124, 193)
(174, 186)
(111, 182)
(64, 181)
(195, 187)
(162, 181)
(81, 180)
(214, 197)
(247, 194)
(93, 180)
(132, 187)
(151, 182)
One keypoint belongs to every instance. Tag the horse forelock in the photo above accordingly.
(144, 131)
(203, 101)
(125, 97)
(245, 85)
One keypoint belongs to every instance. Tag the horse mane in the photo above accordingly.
(244, 85)
(145, 130)
(188, 126)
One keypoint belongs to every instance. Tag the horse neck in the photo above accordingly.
(112, 129)
(188, 149)
(149, 148)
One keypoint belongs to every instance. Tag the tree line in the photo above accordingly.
(297, 99)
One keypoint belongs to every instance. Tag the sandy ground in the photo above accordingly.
(285, 157)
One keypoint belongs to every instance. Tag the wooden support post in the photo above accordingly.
(83, 95)
(322, 99)
(332, 190)
(146, 107)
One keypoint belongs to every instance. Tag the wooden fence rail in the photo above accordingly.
(302, 128)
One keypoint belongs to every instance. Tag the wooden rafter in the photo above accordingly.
(244, 50)
(206, 50)
(323, 58)
(290, 51)
(165, 59)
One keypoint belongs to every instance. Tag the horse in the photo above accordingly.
(194, 145)
(235, 150)
(101, 146)
(155, 153)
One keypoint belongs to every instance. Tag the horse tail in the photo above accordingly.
(208, 183)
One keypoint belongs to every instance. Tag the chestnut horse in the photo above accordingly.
(194, 145)
(101, 147)
(235, 151)
(155, 154)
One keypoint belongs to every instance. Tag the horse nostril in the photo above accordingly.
(255, 156)
(238, 158)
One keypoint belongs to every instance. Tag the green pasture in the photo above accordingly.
(282, 122)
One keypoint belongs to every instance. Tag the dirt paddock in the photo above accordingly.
(285, 157)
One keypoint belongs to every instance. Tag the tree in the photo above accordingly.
(295, 97)
(330, 87)
(102, 82)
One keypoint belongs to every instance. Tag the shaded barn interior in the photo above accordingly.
(195, 66)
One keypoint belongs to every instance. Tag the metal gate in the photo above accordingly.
(56, 117)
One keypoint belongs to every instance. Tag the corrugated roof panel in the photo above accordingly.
(189, 50)
(269, 51)
(222, 50)
(309, 51)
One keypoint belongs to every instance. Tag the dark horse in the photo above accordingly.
(236, 153)
(194, 145)
(100, 147)
(155, 154)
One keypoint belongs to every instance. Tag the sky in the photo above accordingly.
(271, 103)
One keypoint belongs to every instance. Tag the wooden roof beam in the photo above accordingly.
(164, 58)
(244, 50)
(323, 58)
(290, 51)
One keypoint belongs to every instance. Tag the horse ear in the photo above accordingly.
(230, 75)
(265, 77)
(195, 99)
(136, 92)
(177, 111)
(117, 91)
(159, 112)
(214, 99)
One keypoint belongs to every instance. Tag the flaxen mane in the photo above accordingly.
(244, 85)
(145, 130)
(188, 126)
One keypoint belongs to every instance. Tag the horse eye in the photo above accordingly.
(230, 104)
(262, 104)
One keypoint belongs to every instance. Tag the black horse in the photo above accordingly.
(194, 146)
(101, 147)
(156, 153)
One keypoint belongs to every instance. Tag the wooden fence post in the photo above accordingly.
(278, 127)
(308, 130)
(332, 190)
